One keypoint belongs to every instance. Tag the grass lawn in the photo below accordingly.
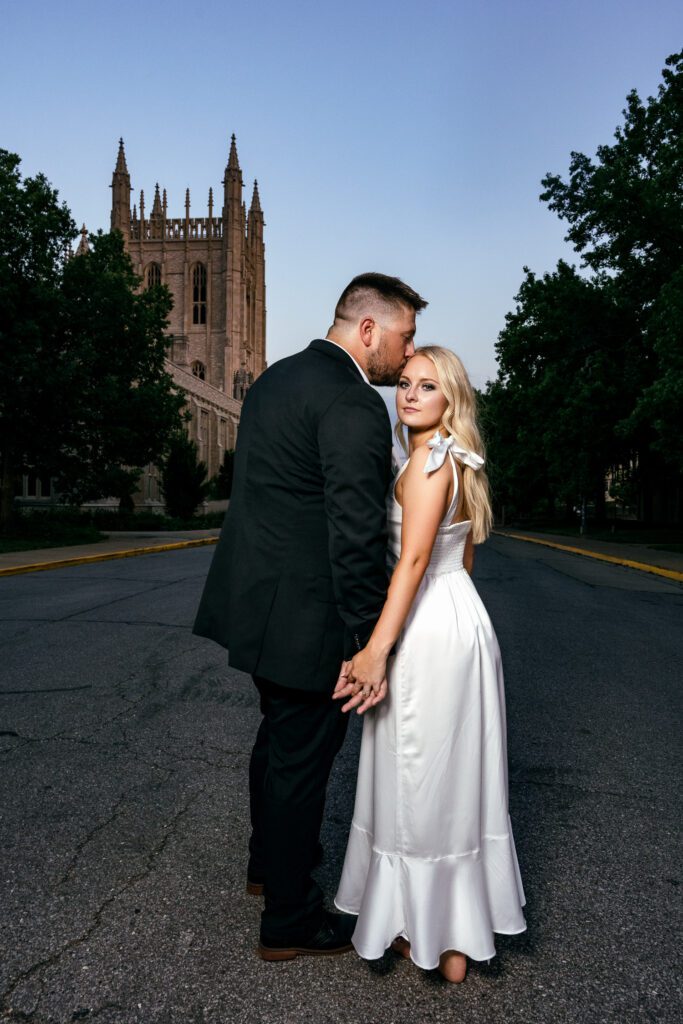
(25, 537)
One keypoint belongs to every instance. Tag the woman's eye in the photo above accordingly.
(403, 384)
(428, 387)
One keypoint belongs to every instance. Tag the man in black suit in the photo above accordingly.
(298, 580)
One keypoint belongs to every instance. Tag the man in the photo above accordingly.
(298, 581)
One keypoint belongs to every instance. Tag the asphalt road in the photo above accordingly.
(124, 744)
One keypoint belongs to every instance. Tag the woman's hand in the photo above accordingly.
(363, 679)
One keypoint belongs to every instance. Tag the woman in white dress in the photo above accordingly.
(431, 868)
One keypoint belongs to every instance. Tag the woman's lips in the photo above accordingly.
(408, 409)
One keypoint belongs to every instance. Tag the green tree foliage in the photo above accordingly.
(591, 367)
(183, 477)
(35, 231)
(84, 395)
(560, 389)
(128, 406)
(624, 209)
(660, 405)
(223, 480)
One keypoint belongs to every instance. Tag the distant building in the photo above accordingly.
(214, 267)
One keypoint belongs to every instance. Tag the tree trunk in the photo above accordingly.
(126, 504)
(7, 482)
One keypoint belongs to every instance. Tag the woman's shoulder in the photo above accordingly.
(418, 458)
(418, 468)
(424, 454)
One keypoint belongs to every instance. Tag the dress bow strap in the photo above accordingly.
(440, 446)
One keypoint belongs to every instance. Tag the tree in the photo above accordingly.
(35, 231)
(625, 216)
(624, 211)
(183, 477)
(560, 389)
(591, 367)
(84, 394)
(223, 480)
(126, 405)
(660, 406)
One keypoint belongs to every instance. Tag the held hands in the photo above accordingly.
(363, 679)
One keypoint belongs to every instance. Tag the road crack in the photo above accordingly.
(95, 830)
(53, 959)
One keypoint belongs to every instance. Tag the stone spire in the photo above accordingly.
(232, 184)
(156, 206)
(233, 160)
(84, 244)
(255, 200)
(255, 220)
(121, 166)
(120, 194)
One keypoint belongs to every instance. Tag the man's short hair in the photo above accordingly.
(373, 292)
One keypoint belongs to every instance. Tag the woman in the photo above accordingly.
(431, 867)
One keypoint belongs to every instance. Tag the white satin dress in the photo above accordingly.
(431, 856)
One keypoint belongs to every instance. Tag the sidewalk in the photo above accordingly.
(127, 544)
(635, 556)
(118, 544)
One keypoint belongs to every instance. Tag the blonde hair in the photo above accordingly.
(460, 421)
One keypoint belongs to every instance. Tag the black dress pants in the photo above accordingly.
(296, 743)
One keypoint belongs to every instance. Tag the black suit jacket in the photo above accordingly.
(298, 578)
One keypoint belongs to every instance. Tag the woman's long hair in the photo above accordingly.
(460, 420)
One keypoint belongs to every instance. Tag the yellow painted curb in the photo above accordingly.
(670, 574)
(62, 563)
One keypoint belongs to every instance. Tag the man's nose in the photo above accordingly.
(410, 349)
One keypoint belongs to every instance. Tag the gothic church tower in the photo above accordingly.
(214, 267)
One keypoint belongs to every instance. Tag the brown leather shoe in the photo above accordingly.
(333, 936)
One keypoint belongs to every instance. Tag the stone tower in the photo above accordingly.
(214, 267)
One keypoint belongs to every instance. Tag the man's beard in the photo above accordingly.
(380, 371)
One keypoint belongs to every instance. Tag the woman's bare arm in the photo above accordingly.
(425, 500)
(468, 554)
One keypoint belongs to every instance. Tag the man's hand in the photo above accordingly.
(342, 687)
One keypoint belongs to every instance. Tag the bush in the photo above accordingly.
(183, 478)
(221, 485)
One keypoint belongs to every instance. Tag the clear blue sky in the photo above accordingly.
(397, 136)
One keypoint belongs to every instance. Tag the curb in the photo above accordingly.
(16, 570)
(669, 574)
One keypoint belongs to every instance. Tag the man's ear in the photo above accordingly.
(366, 329)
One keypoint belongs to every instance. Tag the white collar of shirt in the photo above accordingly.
(360, 368)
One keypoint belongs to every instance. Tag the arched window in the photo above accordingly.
(199, 370)
(199, 294)
(152, 275)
